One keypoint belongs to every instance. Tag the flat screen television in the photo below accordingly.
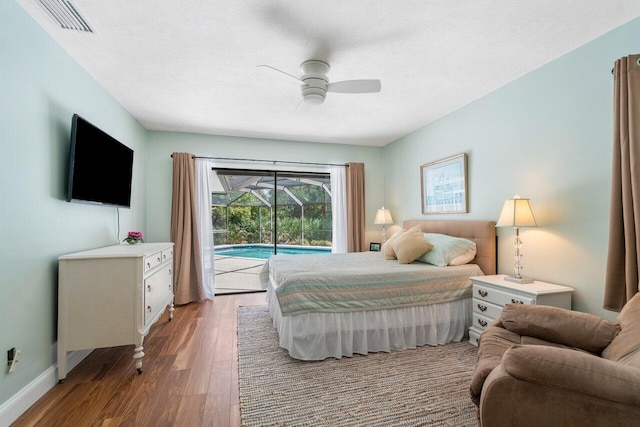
(100, 167)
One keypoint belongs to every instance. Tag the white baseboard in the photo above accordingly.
(22, 400)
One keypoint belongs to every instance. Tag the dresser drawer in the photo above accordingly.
(167, 254)
(481, 322)
(500, 298)
(152, 260)
(157, 289)
(486, 308)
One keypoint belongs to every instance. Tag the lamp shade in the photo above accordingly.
(517, 212)
(383, 216)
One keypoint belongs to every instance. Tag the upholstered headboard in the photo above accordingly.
(483, 233)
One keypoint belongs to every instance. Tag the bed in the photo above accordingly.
(330, 306)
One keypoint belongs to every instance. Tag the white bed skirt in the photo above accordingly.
(316, 336)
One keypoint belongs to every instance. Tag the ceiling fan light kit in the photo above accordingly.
(315, 83)
(314, 77)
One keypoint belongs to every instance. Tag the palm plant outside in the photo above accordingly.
(242, 218)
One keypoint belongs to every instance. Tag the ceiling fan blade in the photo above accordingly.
(355, 86)
(283, 72)
(302, 107)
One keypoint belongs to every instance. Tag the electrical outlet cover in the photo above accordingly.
(14, 362)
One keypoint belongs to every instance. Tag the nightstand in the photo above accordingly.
(491, 293)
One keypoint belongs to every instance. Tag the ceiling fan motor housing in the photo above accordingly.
(314, 89)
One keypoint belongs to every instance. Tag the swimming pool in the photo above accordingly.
(265, 251)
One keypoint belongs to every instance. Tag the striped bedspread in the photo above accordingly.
(361, 281)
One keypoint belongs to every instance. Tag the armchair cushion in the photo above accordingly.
(575, 371)
(625, 347)
(490, 356)
(570, 328)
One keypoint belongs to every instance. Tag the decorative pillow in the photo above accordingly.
(410, 245)
(387, 247)
(464, 258)
(445, 249)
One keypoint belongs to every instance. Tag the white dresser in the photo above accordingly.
(491, 293)
(111, 296)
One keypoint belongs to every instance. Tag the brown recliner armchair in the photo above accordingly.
(547, 366)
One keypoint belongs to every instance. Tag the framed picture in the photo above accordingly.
(444, 185)
(374, 247)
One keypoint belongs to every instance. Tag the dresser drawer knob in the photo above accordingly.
(483, 293)
(482, 307)
(148, 265)
(516, 301)
(148, 288)
(149, 308)
(482, 323)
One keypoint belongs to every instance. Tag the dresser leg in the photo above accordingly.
(62, 363)
(171, 309)
(138, 354)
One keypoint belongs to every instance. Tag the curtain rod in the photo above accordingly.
(271, 161)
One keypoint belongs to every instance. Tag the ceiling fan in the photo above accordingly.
(315, 84)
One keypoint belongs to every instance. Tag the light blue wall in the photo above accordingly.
(41, 87)
(162, 144)
(546, 136)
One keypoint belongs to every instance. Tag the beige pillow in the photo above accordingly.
(410, 245)
(387, 247)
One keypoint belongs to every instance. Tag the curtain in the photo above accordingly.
(184, 232)
(338, 209)
(621, 279)
(205, 227)
(355, 207)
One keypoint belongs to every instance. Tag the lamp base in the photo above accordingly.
(521, 280)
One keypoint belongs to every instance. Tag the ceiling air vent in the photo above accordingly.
(66, 15)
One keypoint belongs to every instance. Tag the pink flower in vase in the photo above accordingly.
(133, 237)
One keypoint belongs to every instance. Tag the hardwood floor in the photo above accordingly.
(190, 375)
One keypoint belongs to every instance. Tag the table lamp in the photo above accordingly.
(517, 213)
(383, 217)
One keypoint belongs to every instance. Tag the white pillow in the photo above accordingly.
(447, 249)
(464, 258)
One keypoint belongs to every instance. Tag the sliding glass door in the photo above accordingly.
(258, 213)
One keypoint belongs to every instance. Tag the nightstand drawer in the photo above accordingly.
(486, 308)
(481, 322)
(500, 298)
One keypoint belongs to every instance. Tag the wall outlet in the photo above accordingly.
(13, 364)
(10, 355)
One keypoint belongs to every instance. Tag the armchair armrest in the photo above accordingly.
(575, 371)
(570, 328)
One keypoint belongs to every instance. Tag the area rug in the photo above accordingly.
(428, 386)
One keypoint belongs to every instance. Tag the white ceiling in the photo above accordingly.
(190, 65)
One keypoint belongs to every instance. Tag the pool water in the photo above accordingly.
(264, 252)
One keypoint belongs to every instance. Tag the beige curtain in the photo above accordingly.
(621, 280)
(355, 207)
(187, 276)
